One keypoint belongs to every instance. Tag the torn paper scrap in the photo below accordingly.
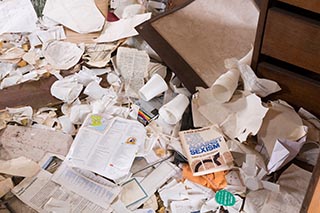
(21, 115)
(173, 191)
(21, 166)
(62, 55)
(122, 29)
(283, 152)
(106, 147)
(81, 16)
(6, 185)
(99, 55)
(32, 143)
(17, 16)
(206, 150)
(132, 65)
(255, 200)
(198, 119)
(246, 121)
(281, 122)
(39, 37)
(261, 87)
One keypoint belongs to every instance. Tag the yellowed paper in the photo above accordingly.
(21, 166)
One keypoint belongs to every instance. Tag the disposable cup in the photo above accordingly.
(155, 86)
(172, 112)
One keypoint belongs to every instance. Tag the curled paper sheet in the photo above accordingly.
(21, 166)
(224, 87)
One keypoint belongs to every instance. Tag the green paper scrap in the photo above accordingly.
(225, 198)
(96, 120)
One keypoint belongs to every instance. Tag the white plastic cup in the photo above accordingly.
(95, 91)
(224, 87)
(155, 86)
(172, 112)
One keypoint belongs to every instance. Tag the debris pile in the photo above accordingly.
(121, 141)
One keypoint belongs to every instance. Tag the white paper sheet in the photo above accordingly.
(38, 192)
(81, 16)
(99, 55)
(96, 189)
(122, 29)
(62, 55)
(17, 16)
(107, 147)
(132, 64)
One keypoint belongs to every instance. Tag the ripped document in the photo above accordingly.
(123, 28)
(206, 150)
(41, 193)
(81, 16)
(17, 16)
(98, 55)
(42, 36)
(107, 147)
(92, 187)
(133, 65)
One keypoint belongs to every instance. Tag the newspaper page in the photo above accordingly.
(132, 64)
(106, 147)
(206, 150)
(40, 191)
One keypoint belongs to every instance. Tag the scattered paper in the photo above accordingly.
(94, 188)
(42, 36)
(21, 166)
(132, 65)
(81, 16)
(62, 55)
(107, 147)
(17, 16)
(39, 191)
(122, 29)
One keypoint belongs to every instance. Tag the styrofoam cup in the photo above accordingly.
(172, 112)
(155, 86)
